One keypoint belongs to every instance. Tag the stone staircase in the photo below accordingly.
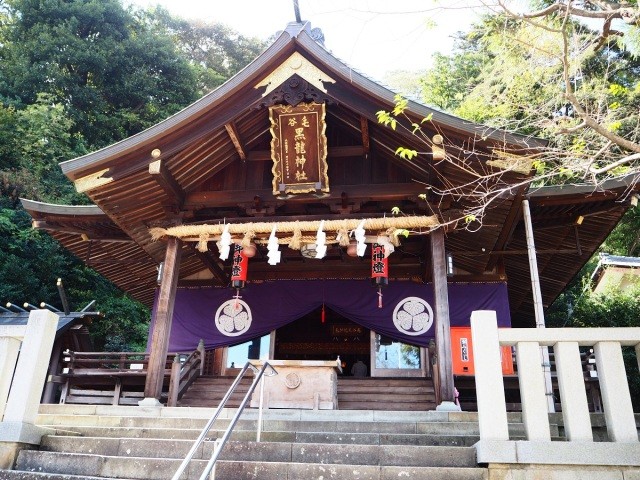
(398, 394)
(89, 442)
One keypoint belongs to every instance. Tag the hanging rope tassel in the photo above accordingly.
(323, 315)
(237, 296)
(379, 297)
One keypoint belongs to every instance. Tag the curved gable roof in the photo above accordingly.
(241, 91)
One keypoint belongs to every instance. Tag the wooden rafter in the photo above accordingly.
(509, 226)
(91, 235)
(163, 177)
(235, 138)
(212, 266)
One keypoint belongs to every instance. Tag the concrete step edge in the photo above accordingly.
(123, 454)
(27, 475)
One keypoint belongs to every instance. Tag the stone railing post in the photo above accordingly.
(579, 453)
(533, 391)
(9, 348)
(18, 424)
(618, 411)
(573, 396)
(492, 408)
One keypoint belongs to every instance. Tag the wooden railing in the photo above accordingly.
(184, 373)
(118, 378)
(495, 446)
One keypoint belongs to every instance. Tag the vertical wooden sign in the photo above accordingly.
(299, 148)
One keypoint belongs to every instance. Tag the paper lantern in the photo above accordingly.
(239, 267)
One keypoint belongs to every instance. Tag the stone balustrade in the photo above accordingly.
(495, 446)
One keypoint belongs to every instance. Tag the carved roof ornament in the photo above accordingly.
(296, 64)
(294, 91)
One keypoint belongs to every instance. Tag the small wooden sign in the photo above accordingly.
(346, 330)
(299, 148)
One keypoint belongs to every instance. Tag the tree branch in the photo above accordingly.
(616, 164)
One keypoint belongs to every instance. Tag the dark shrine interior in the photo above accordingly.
(311, 338)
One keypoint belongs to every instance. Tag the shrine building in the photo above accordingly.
(278, 218)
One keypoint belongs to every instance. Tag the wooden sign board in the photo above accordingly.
(299, 148)
(346, 330)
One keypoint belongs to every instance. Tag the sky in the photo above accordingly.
(372, 36)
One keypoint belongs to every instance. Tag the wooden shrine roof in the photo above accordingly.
(211, 163)
(563, 247)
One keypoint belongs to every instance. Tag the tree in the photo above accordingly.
(543, 73)
(115, 76)
(452, 78)
(76, 75)
(215, 51)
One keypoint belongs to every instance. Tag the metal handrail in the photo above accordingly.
(227, 433)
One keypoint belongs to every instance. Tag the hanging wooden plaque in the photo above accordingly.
(299, 148)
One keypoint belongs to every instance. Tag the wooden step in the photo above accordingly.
(353, 393)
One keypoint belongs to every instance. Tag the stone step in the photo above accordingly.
(22, 475)
(293, 414)
(343, 453)
(269, 457)
(68, 422)
(155, 469)
(271, 436)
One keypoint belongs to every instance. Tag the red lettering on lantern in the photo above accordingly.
(240, 265)
(379, 263)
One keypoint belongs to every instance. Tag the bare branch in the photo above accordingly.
(613, 165)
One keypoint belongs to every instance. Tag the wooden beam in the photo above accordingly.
(235, 139)
(380, 192)
(364, 129)
(332, 152)
(510, 224)
(442, 321)
(212, 266)
(549, 251)
(162, 320)
(163, 177)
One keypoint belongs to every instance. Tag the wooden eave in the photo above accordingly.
(94, 238)
(570, 222)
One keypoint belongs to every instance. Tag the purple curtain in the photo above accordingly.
(405, 316)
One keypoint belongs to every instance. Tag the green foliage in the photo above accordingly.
(613, 309)
(215, 52)
(124, 328)
(76, 75)
(406, 153)
(115, 76)
(451, 79)
(32, 261)
(508, 73)
(386, 119)
(625, 238)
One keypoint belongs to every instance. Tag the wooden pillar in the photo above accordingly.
(538, 307)
(442, 323)
(162, 323)
(50, 388)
